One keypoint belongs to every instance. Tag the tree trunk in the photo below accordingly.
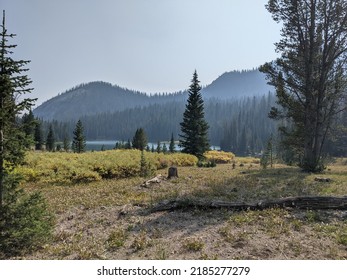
(305, 203)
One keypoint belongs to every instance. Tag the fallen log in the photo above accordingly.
(156, 180)
(306, 203)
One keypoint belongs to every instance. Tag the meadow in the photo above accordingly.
(102, 210)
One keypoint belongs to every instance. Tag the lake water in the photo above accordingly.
(109, 145)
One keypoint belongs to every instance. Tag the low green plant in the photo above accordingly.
(25, 222)
(342, 238)
(116, 239)
(193, 244)
(207, 164)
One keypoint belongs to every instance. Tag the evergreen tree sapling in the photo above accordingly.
(139, 139)
(164, 148)
(50, 141)
(194, 128)
(38, 138)
(66, 143)
(79, 141)
(158, 149)
(29, 123)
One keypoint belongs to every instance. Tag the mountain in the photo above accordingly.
(238, 84)
(101, 97)
(95, 98)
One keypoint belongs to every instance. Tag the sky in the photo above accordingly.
(147, 45)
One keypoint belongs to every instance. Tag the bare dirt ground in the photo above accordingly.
(110, 228)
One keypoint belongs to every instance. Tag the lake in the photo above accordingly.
(109, 145)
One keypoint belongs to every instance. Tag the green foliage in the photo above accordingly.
(158, 149)
(116, 239)
(172, 144)
(310, 75)
(50, 142)
(79, 140)
(28, 124)
(25, 222)
(38, 138)
(66, 144)
(87, 167)
(204, 163)
(194, 128)
(140, 139)
(193, 244)
(24, 219)
(145, 167)
(267, 157)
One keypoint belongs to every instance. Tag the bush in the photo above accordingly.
(87, 167)
(210, 163)
(25, 223)
(219, 156)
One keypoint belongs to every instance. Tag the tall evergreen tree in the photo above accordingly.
(310, 76)
(38, 138)
(24, 222)
(194, 128)
(79, 141)
(50, 140)
(139, 139)
(29, 123)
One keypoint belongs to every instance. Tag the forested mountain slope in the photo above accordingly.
(100, 97)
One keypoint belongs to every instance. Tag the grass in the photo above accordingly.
(109, 218)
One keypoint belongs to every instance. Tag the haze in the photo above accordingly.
(146, 45)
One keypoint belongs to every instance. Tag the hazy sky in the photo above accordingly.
(146, 45)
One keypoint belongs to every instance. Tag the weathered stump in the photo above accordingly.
(172, 173)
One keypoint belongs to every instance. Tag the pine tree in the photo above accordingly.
(158, 149)
(38, 138)
(79, 141)
(139, 139)
(24, 220)
(29, 123)
(194, 128)
(172, 144)
(66, 143)
(164, 148)
(50, 141)
(310, 76)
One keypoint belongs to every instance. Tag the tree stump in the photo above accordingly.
(172, 173)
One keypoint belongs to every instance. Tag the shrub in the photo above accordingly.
(207, 164)
(25, 223)
(87, 167)
(219, 156)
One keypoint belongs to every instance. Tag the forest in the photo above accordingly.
(241, 126)
(277, 190)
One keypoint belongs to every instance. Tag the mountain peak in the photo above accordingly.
(99, 97)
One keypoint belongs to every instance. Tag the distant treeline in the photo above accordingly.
(241, 126)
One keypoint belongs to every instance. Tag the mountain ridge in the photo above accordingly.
(102, 97)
